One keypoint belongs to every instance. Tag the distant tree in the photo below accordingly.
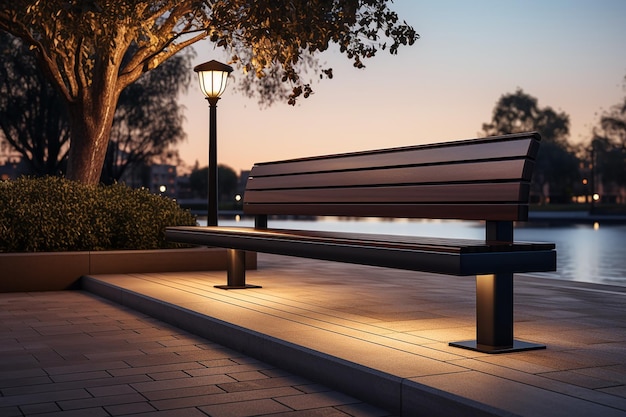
(199, 180)
(557, 163)
(83, 48)
(33, 118)
(608, 160)
(227, 180)
(609, 146)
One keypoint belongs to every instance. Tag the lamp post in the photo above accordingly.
(594, 196)
(213, 76)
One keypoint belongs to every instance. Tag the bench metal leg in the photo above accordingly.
(236, 271)
(494, 317)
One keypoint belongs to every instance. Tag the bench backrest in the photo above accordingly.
(478, 179)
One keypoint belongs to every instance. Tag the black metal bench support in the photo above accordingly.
(494, 305)
(494, 317)
(236, 271)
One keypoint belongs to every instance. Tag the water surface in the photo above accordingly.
(586, 253)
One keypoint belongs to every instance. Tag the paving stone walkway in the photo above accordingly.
(72, 353)
(375, 336)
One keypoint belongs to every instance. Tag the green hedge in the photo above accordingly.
(54, 214)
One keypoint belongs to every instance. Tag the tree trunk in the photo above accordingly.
(90, 131)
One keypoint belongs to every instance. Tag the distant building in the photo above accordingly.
(11, 163)
(11, 169)
(163, 180)
(183, 187)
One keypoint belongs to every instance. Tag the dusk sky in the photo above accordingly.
(569, 54)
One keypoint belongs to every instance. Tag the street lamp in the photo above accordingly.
(592, 181)
(213, 76)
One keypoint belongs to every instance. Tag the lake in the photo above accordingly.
(585, 252)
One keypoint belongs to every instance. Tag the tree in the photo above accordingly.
(609, 146)
(83, 47)
(148, 119)
(227, 182)
(33, 118)
(199, 180)
(556, 164)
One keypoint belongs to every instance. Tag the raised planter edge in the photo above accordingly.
(56, 271)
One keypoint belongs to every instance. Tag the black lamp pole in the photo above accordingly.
(213, 76)
(212, 205)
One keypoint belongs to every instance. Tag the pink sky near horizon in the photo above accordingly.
(567, 54)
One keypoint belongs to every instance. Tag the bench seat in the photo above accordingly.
(461, 257)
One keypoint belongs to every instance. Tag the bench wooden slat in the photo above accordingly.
(499, 212)
(511, 146)
(462, 172)
(467, 180)
(447, 193)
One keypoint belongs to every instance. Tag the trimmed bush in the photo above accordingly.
(54, 214)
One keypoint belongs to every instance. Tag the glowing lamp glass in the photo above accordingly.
(213, 77)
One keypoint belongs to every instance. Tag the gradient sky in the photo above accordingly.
(569, 54)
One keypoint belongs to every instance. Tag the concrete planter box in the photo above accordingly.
(54, 271)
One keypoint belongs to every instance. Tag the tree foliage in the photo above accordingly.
(227, 180)
(556, 165)
(148, 119)
(33, 118)
(609, 146)
(83, 46)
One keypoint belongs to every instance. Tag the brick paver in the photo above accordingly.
(74, 354)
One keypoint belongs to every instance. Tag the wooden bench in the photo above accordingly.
(480, 179)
